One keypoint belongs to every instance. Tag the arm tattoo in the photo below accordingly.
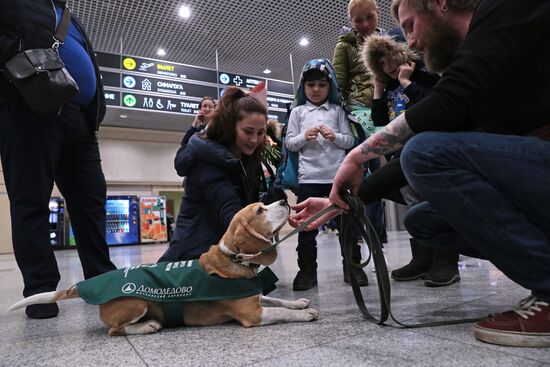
(389, 139)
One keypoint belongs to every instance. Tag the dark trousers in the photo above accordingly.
(307, 244)
(374, 210)
(306, 239)
(36, 151)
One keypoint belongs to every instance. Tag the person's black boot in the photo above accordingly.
(42, 311)
(422, 259)
(444, 269)
(307, 275)
(358, 273)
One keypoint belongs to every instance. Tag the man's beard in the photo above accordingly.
(441, 46)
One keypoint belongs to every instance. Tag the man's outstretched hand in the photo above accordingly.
(307, 209)
(349, 177)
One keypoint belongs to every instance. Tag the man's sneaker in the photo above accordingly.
(528, 326)
(441, 274)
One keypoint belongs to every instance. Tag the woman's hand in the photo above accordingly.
(199, 120)
(307, 209)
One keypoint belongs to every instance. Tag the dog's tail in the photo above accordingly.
(47, 297)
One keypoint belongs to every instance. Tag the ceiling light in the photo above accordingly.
(123, 116)
(184, 12)
(304, 41)
(266, 71)
(161, 52)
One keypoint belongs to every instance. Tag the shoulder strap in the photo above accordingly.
(64, 25)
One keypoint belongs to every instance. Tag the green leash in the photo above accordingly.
(355, 219)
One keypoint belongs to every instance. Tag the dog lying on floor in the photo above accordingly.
(234, 259)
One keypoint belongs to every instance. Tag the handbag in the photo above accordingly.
(40, 75)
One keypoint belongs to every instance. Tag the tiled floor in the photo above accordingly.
(341, 337)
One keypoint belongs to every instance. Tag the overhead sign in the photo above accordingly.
(110, 79)
(157, 85)
(108, 60)
(172, 70)
(164, 86)
(277, 86)
(241, 81)
(153, 103)
(277, 115)
(112, 98)
(277, 102)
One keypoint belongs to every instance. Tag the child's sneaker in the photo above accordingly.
(527, 326)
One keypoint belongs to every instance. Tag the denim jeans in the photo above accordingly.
(489, 197)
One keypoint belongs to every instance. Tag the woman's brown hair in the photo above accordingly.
(233, 107)
(207, 98)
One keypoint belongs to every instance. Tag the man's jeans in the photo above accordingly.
(489, 197)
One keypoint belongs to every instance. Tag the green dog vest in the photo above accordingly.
(172, 282)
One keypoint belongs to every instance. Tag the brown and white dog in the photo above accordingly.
(250, 231)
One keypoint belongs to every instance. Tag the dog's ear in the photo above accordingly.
(245, 233)
(213, 263)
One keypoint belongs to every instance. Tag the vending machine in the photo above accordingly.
(70, 241)
(152, 213)
(122, 222)
(57, 222)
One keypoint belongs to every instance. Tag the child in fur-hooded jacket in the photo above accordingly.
(400, 78)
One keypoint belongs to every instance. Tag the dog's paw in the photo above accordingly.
(300, 304)
(312, 314)
(146, 327)
(151, 326)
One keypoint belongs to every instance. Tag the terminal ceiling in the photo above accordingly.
(249, 35)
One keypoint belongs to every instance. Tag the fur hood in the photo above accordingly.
(378, 46)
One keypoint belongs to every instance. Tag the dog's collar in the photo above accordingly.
(239, 258)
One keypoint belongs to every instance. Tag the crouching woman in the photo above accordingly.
(223, 174)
